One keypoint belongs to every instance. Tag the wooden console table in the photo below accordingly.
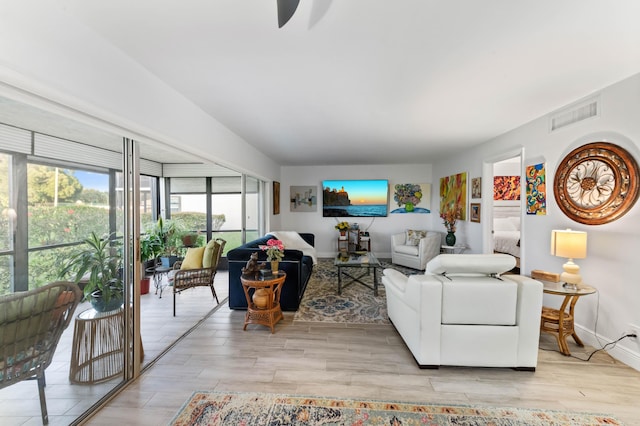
(269, 288)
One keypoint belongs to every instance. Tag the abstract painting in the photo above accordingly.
(536, 189)
(453, 193)
(411, 198)
(303, 198)
(506, 188)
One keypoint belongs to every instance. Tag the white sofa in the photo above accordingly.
(415, 256)
(462, 312)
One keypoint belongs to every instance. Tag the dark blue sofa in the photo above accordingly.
(297, 266)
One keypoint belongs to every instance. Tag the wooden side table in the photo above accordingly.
(558, 321)
(267, 313)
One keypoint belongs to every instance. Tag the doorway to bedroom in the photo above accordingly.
(504, 232)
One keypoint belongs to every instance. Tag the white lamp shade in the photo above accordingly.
(569, 244)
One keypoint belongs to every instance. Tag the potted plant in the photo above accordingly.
(150, 248)
(98, 265)
(167, 233)
(275, 253)
(190, 239)
(342, 227)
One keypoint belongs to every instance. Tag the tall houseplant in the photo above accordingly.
(169, 235)
(98, 264)
(150, 249)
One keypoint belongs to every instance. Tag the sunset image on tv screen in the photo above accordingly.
(355, 198)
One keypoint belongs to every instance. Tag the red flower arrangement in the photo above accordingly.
(274, 249)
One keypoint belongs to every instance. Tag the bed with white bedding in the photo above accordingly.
(506, 236)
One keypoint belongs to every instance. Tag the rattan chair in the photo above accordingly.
(31, 324)
(183, 279)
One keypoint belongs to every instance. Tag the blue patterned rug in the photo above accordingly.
(257, 409)
(356, 305)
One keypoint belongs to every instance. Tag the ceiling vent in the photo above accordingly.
(575, 113)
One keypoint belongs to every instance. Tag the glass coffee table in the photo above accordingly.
(365, 261)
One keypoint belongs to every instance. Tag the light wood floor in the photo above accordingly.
(360, 362)
(19, 404)
(354, 361)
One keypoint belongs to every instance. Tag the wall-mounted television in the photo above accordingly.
(355, 198)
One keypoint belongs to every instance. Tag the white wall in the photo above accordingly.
(509, 167)
(613, 248)
(380, 228)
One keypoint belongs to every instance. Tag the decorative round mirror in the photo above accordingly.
(596, 183)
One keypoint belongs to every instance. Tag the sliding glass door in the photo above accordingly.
(54, 195)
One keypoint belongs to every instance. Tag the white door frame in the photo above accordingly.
(487, 206)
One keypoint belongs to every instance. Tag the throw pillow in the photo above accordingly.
(413, 237)
(193, 258)
(209, 252)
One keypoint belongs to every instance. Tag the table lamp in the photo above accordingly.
(571, 245)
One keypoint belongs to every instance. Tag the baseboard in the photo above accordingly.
(619, 352)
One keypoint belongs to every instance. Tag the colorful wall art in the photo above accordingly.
(506, 188)
(303, 198)
(536, 189)
(453, 193)
(411, 198)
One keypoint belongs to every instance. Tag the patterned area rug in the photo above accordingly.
(255, 409)
(356, 305)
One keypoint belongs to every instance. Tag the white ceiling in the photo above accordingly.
(374, 81)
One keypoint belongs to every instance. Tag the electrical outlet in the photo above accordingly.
(634, 329)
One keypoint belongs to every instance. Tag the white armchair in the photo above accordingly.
(407, 250)
(463, 312)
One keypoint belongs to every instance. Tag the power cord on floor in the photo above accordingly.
(595, 334)
(605, 347)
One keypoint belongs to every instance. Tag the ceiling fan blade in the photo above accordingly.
(286, 9)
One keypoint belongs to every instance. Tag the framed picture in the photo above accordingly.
(536, 189)
(506, 188)
(303, 198)
(474, 212)
(276, 197)
(476, 187)
(453, 194)
(411, 198)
